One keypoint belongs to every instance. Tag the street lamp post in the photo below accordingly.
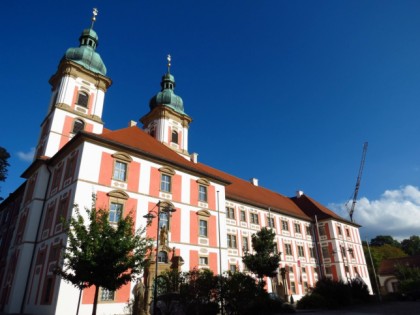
(150, 216)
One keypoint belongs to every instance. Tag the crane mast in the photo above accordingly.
(359, 178)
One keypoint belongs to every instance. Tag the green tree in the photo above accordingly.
(380, 253)
(409, 277)
(411, 245)
(199, 292)
(101, 254)
(4, 164)
(264, 261)
(239, 290)
(381, 240)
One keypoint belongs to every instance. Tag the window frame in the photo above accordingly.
(104, 293)
(288, 249)
(297, 228)
(301, 251)
(175, 137)
(203, 260)
(230, 213)
(243, 216)
(202, 193)
(232, 241)
(115, 212)
(203, 230)
(78, 125)
(254, 218)
(83, 99)
(285, 225)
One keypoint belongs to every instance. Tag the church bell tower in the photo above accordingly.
(166, 121)
(78, 94)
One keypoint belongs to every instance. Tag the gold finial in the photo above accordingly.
(169, 63)
(95, 13)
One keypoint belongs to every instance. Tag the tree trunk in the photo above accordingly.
(95, 301)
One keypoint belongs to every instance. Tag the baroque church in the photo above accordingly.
(140, 169)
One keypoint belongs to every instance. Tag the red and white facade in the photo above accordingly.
(131, 170)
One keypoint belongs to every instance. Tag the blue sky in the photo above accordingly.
(284, 91)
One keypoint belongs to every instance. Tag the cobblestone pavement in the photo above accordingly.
(387, 308)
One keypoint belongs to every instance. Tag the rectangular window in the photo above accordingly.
(71, 164)
(351, 251)
(231, 241)
(328, 270)
(107, 295)
(303, 269)
(120, 171)
(312, 252)
(285, 225)
(254, 218)
(301, 252)
(308, 230)
(203, 228)
(245, 244)
(288, 249)
(270, 222)
(305, 287)
(292, 287)
(343, 251)
(243, 216)
(275, 248)
(348, 232)
(322, 231)
(297, 228)
(115, 212)
(204, 261)
(202, 193)
(325, 252)
(165, 183)
(232, 268)
(339, 230)
(230, 213)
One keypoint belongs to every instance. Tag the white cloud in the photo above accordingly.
(395, 213)
(26, 156)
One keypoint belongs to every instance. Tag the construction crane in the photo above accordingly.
(359, 178)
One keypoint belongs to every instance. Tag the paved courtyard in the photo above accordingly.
(388, 308)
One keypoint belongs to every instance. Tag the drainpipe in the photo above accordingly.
(22, 306)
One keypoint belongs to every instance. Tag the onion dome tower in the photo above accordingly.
(166, 121)
(78, 94)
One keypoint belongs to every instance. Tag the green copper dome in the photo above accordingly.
(167, 96)
(85, 55)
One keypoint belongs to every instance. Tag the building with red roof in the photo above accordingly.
(136, 169)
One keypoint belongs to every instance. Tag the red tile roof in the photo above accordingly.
(388, 266)
(313, 208)
(236, 189)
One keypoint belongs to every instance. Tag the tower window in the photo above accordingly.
(78, 125)
(82, 99)
(174, 138)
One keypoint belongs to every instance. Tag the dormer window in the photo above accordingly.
(78, 125)
(83, 99)
(174, 138)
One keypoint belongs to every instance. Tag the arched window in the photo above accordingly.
(83, 99)
(174, 137)
(163, 257)
(78, 125)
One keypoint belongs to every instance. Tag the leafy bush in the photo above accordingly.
(312, 301)
(359, 291)
(334, 294)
